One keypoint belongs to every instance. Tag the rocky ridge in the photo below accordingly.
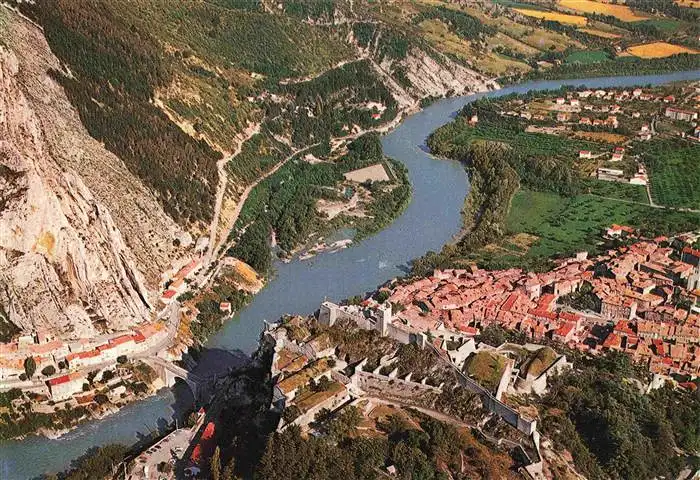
(82, 242)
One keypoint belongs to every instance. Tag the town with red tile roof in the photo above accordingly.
(643, 302)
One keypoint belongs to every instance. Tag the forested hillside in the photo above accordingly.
(173, 87)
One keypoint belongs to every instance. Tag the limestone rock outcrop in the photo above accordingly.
(82, 241)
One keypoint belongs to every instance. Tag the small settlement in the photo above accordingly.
(612, 121)
(641, 299)
(46, 371)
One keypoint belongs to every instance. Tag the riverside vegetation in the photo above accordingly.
(534, 183)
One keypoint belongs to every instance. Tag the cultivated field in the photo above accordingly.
(599, 33)
(674, 170)
(620, 12)
(374, 173)
(605, 137)
(688, 3)
(439, 34)
(570, 224)
(587, 56)
(501, 39)
(623, 191)
(553, 16)
(658, 50)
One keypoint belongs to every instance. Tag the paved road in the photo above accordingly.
(172, 311)
(168, 450)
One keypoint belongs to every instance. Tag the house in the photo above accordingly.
(585, 154)
(565, 333)
(616, 157)
(80, 359)
(168, 296)
(612, 174)
(563, 117)
(683, 115)
(619, 230)
(225, 307)
(585, 121)
(560, 101)
(474, 119)
(639, 179)
(636, 92)
(669, 99)
(63, 387)
(574, 102)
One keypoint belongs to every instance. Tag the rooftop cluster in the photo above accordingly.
(640, 299)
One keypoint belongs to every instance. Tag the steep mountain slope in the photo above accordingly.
(82, 241)
(166, 113)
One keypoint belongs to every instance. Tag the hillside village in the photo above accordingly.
(640, 298)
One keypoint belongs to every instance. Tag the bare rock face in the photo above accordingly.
(64, 265)
(447, 77)
(146, 229)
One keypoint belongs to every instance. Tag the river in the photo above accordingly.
(431, 220)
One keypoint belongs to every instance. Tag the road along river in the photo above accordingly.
(431, 220)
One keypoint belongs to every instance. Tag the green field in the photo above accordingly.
(587, 56)
(665, 25)
(674, 168)
(566, 225)
(623, 191)
(514, 4)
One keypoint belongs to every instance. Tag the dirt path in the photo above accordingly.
(246, 193)
(221, 190)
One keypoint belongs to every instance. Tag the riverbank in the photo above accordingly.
(104, 393)
(503, 145)
(431, 219)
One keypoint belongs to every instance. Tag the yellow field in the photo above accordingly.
(553, 16)
(599, 33)
(498, 65)
(621, 12)
(658, 50)
(688, 3)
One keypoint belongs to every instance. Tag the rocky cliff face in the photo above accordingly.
(426, 74)
(429, 77)
(82, 243)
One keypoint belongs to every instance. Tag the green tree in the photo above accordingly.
(48, 371)
(29, 366)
